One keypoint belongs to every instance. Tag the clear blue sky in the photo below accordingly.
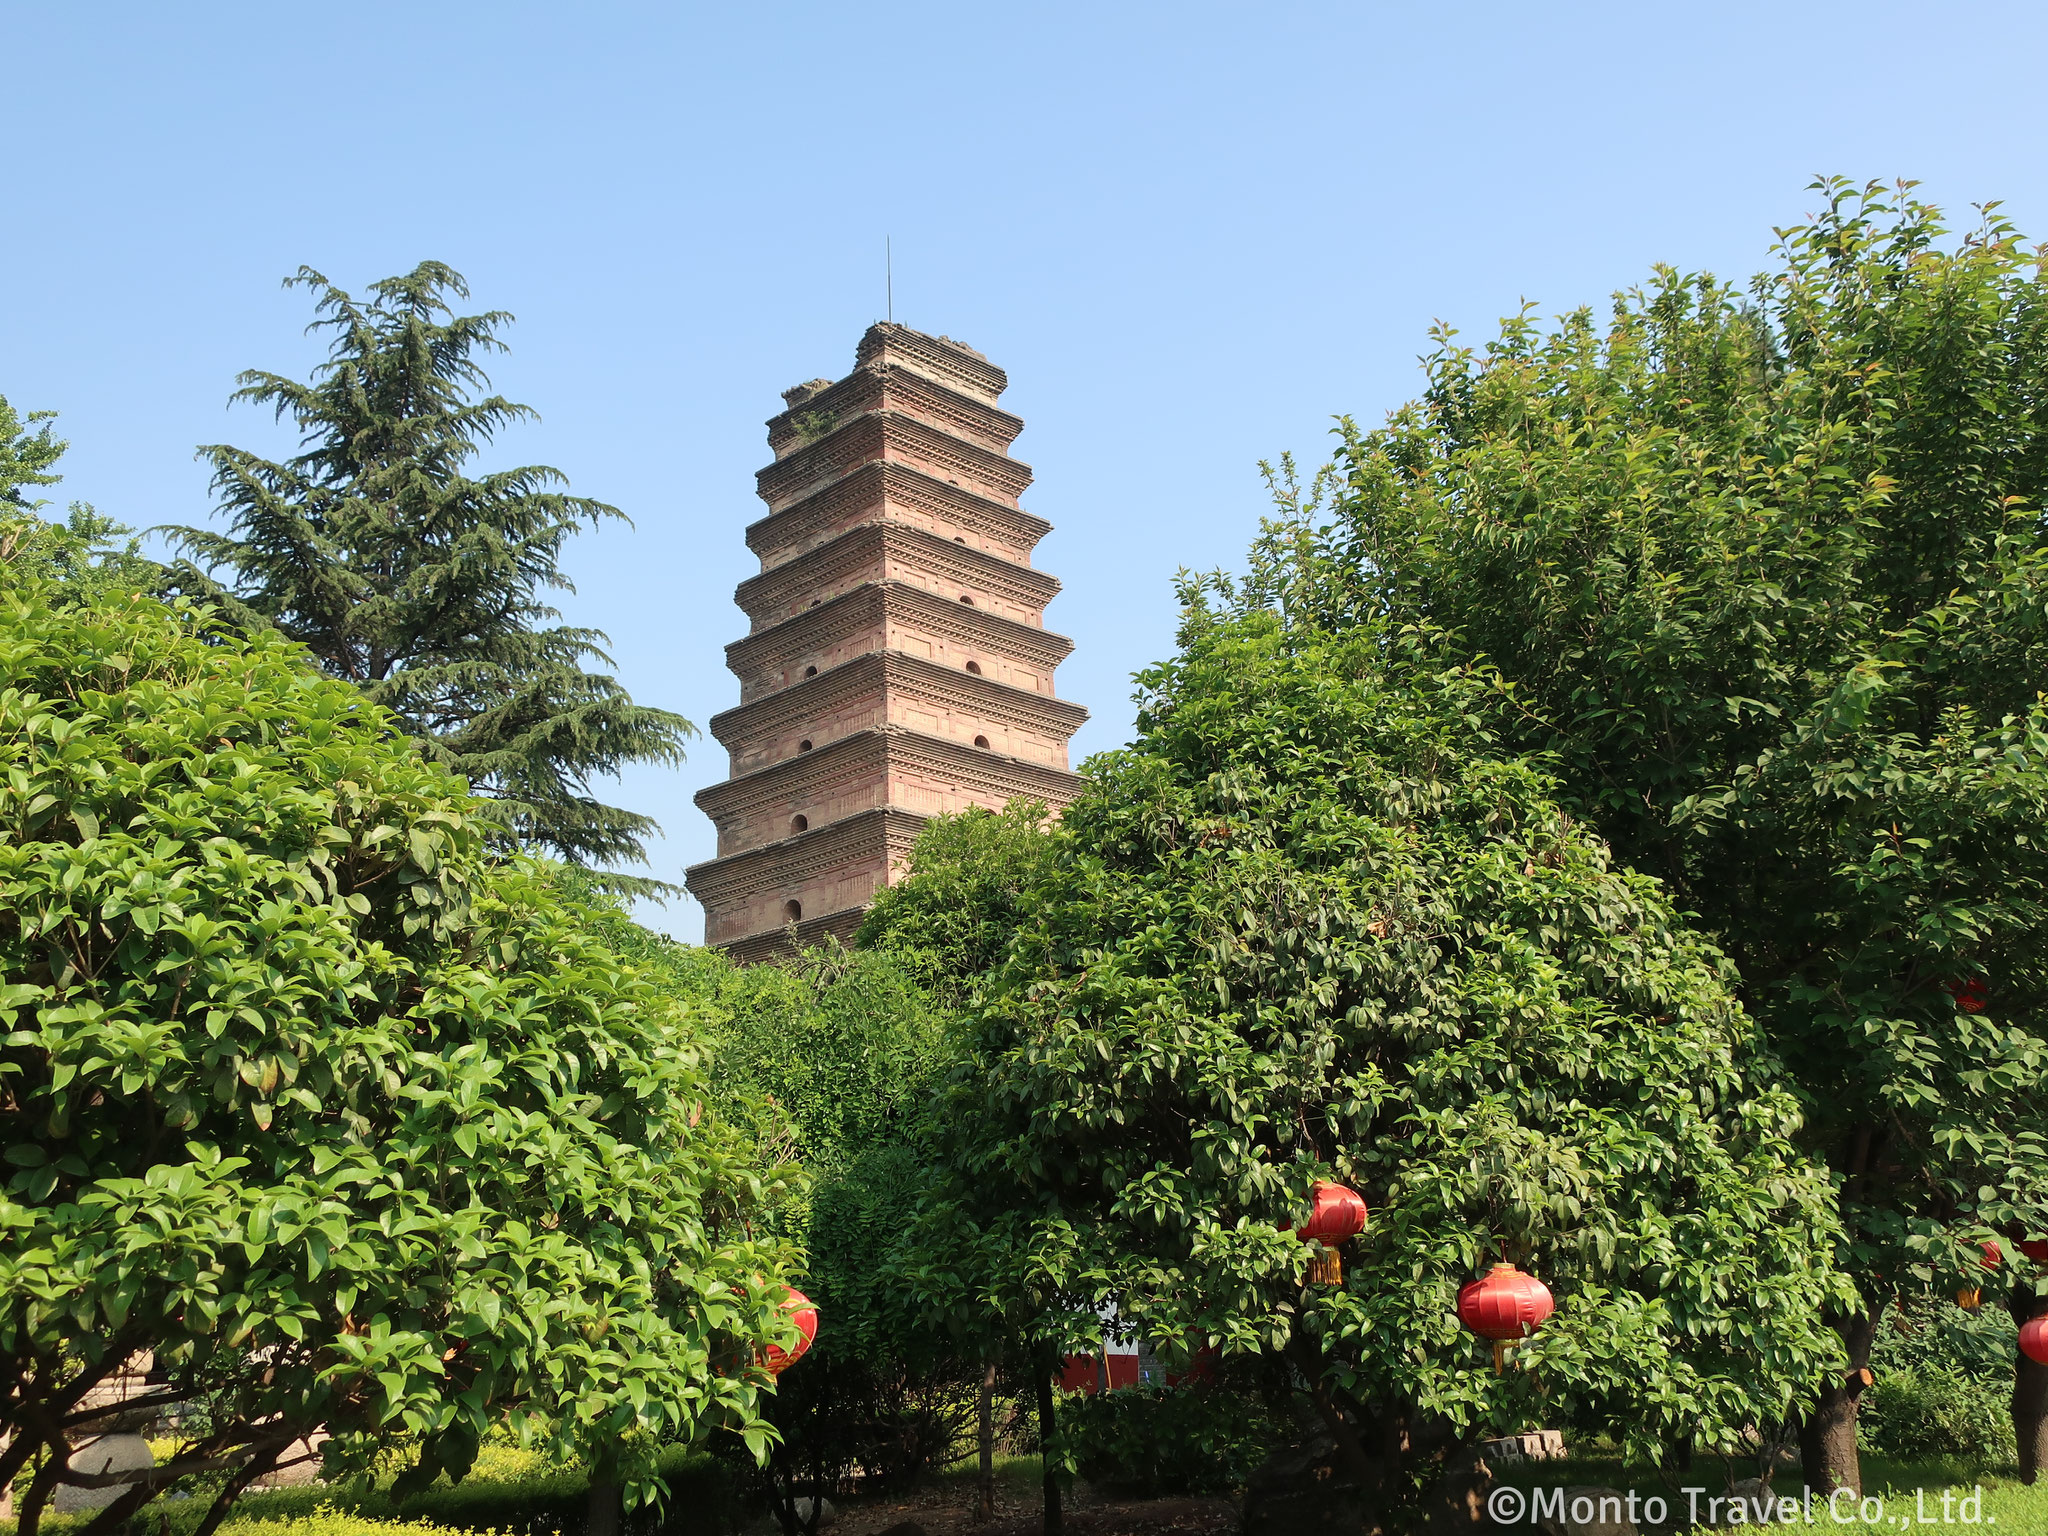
(1191, 232)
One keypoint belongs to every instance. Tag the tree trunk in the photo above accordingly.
(603, 1510)
(1827, 1439)
(2030, 1396)
(40, 1487)
(258, 1465)
(1045, 1452)
(985, 1433)
(1352, 1455)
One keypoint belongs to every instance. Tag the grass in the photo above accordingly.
(512, 1491)
(1016, 1476)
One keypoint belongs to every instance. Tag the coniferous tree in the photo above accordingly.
(423, 584)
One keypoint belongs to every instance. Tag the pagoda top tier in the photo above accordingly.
(941, 357)
(952, 386)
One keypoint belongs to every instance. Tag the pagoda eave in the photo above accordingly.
(863, 545)
(981, 775)
(888, 436)
(982, 422)
(882, 601)
(872, 489)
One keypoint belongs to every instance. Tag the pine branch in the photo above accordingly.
(422, 583)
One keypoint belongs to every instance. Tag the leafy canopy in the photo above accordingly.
(951, 916)
(84, 555)
(28, 447)
(1312, 924)
(1765, 578)
(349, 1124)
(829, 1058)
(423, 584)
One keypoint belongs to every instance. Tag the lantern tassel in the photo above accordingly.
(1326, 1268)
(1500, 1356)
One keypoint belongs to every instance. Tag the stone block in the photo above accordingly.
(109, 1453)
(1533, 1445)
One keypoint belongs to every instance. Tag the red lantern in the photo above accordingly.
(2037, 1250)
(1505, 1306)
(2034, 1339)
(1970, 993)
(805, 1316)
(1336, 1215)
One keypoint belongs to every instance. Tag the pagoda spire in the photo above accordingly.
(897, 665)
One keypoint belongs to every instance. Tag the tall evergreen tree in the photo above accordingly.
(423, 584)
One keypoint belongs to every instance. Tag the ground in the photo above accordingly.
(947, 1509)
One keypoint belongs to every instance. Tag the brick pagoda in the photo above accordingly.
(898, 664)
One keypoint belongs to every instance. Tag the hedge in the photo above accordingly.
(702, 1501)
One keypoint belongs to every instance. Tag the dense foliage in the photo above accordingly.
(29, 447)
(1312, 925)
(345, 1123)
(1151, 1441)
(842, 1042)
(1766, 580)
(1944, 1383)
(84, 556)
(421, 583)
(950, 917)
(829, 1059)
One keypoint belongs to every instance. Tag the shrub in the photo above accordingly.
(1937, 1411)
(1944, 1380)
(328, 1521)
(1152, 1440)
(700, 1501)
(346, 1122)
(1312, 925)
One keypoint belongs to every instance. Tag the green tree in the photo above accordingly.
(1765, 579)
(950, 918)
(346, 1122)
(423, 584)
(843, 1043)
(969, 882)
(27, 450)
(1312, 924)
(831, 1058)
(83, 558)
(86, 554)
